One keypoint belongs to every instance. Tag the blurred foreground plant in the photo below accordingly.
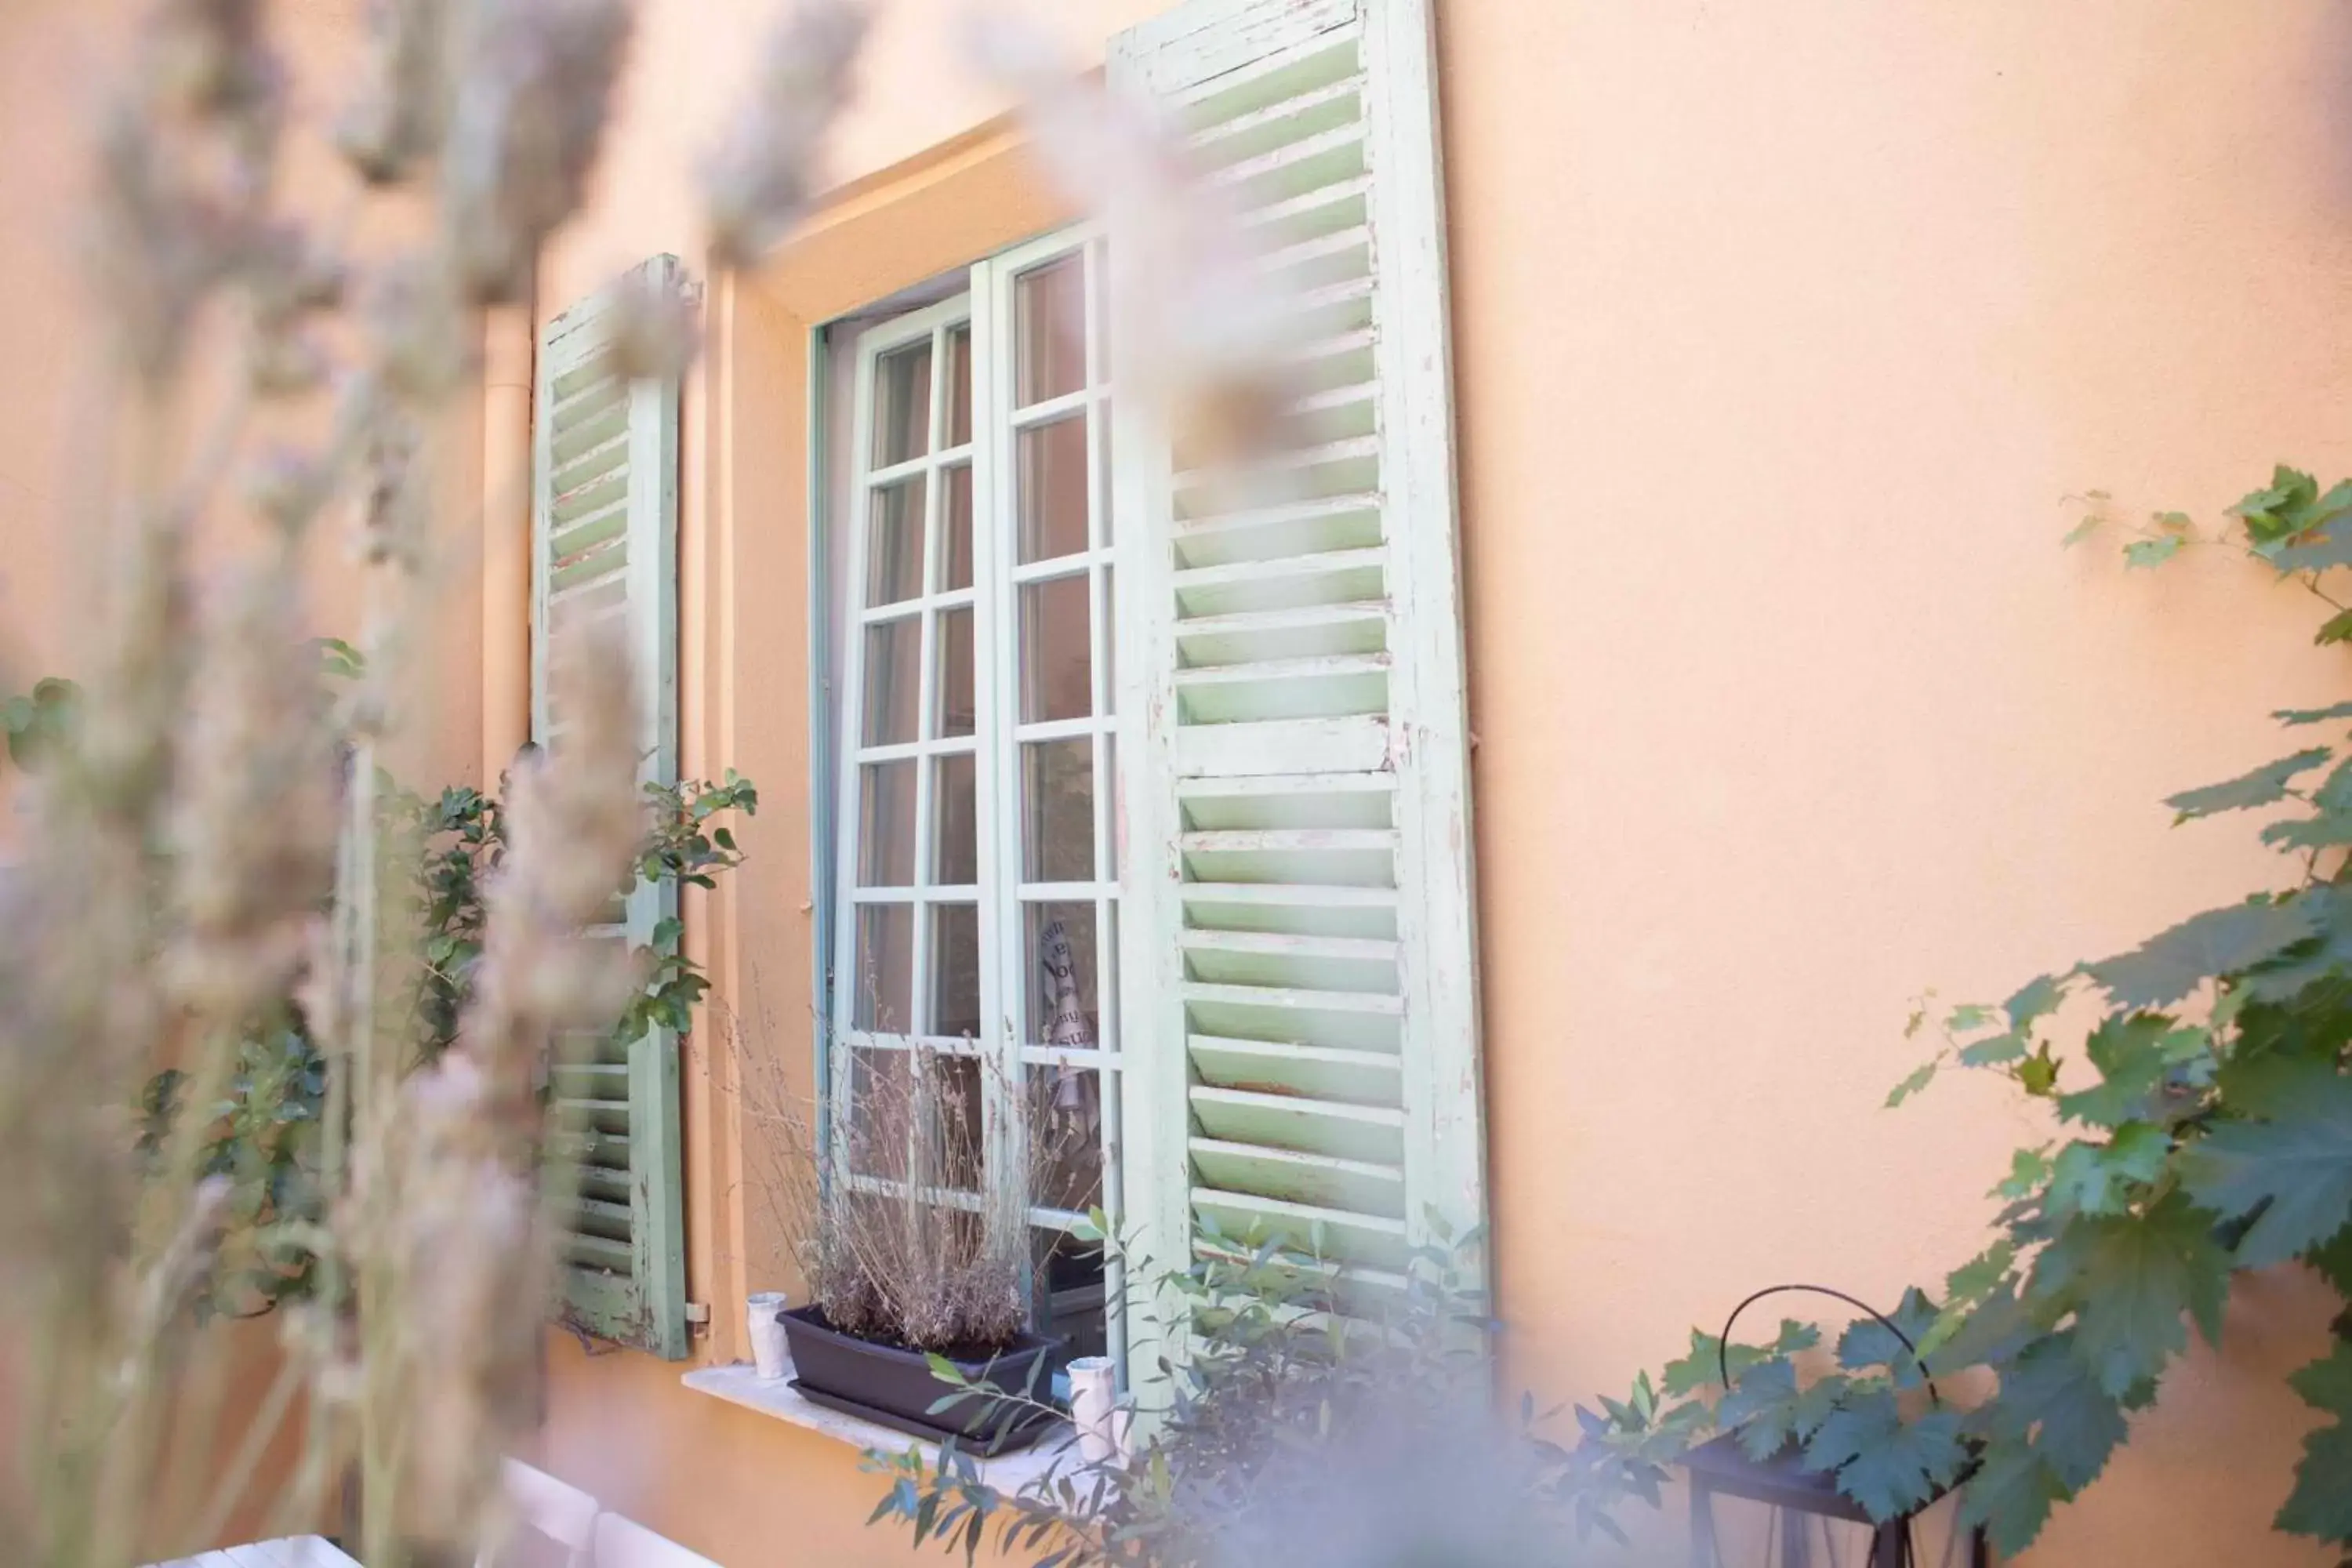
(1302, 1420)
(213, 879)
(264, 1135)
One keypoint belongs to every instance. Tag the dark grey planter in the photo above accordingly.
(896, 1388)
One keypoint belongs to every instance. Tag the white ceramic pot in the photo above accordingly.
(768, 1334)
(1102, 1425)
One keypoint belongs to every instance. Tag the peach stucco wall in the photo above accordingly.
(1779, 332)
(1779, 337)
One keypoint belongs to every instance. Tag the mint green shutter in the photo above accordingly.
(604, 547)
(1302, 1022)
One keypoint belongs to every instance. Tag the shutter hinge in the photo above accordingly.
(698, 1314)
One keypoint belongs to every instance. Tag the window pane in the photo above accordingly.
(916, 1118)
(1057, 811)
(894, 544)
(902, 405)
(955, 970)
(1065, 1124)
(959, 386)
(955, 672)
(1071, 1295)
(951, 1102)
(1050, 464)
(885, 825)
(1049, 330)
(955, 561)
(1056, 655)
(884, 979)
(1061, 951)
(881, 1094)
(955, 836)
(893, 659)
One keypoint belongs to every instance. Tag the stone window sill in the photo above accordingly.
(740, 1384)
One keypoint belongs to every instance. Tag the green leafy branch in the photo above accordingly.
(2290, 525)
(262, 1136)
(2199, 1085)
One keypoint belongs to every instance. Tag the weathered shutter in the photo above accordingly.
(604, 547)
(1303, 1025)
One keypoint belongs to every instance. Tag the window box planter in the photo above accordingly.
(896, 1387)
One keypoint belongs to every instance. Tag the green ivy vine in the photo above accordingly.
(2199, 1085)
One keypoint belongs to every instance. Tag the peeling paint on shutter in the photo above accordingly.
(605, 548)
(1303, 1023)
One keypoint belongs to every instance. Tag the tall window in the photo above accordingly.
(977, 869)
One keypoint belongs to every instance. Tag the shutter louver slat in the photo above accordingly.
(605, 554)
(1303, 1023)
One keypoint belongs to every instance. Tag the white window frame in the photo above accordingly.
(1009, 997)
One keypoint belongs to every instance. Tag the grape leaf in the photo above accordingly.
(2296, 1167)
(2010, 1496)
(2131, 1281)
(2327, 1383)
(2170, 964)
(2321, 1503)
(2328, 831)
(2129, 1053)
(2262, 786)
(1979, 1277)
(2096, 1178)
(1993, 1050)
(1760, 1408)
(2028, 1169)
(2333, 1259)
(2328, 545)
(2035, 998)
(2050, 1395)
(1870, 1343)
(2290, 508)
(1701, 1368)
(1887, 1466)
(2153, 552)
(1918, 1078)
(2313, 715)
(1992, 1333)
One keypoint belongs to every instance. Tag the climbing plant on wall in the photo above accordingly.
(2202, 1109)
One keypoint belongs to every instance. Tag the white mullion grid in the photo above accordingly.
(930, 326)
(1054, 407)
(1056, 728)
(1060, 567)
(907, 750)
(1109, 1089)
(956, 599)
(929, 549)
(995, 514)
(1018, 895)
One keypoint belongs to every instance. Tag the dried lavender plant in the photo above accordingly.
(447, 1224)
(205, 855)
(760, 180)
(891, 1222)
(208, 853)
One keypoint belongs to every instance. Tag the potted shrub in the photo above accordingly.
(912, 1271)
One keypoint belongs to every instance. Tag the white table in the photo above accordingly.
(291, 1551)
